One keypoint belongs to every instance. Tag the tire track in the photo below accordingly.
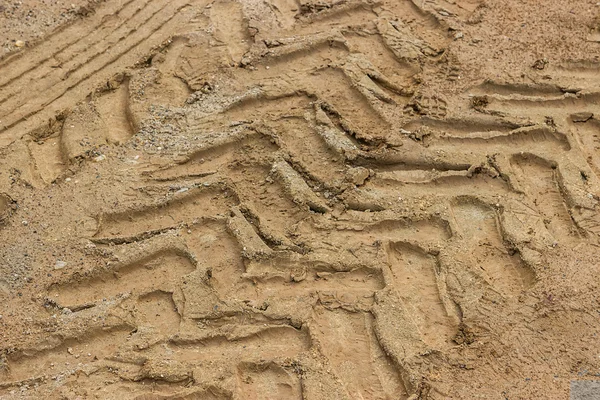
(71, 35)
(570, 112)
(62, 64)
(80, 58)
(299, 224)
(159, 27)
(348, 342)
(541, 182)
(186, 206)
(159, 271)
(32, 364)
(482, 241)
(415, 276)
(587, 130)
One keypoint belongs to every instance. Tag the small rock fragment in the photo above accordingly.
(358, 175)
(540, 64)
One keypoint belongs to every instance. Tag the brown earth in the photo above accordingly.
(298, 199)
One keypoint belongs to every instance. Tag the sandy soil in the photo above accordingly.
(298, 199)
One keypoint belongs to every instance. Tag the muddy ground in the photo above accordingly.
(298, 199)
